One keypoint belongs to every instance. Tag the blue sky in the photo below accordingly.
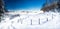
(23, 4)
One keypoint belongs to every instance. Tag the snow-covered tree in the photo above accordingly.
(2, 8)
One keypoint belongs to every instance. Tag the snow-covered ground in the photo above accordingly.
(31, 20)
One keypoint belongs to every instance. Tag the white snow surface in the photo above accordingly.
(47, 20)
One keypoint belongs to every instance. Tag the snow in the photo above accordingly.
(31, 20)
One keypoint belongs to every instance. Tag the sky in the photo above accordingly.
(23, 4)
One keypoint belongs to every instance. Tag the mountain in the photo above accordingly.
(47, 20)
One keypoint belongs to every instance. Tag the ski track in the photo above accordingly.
(47, 20)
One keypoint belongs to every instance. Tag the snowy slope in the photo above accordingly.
(31, 20)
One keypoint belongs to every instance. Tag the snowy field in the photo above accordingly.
(47, 20)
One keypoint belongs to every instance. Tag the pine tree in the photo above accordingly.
(2, 8)
(52, 6)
